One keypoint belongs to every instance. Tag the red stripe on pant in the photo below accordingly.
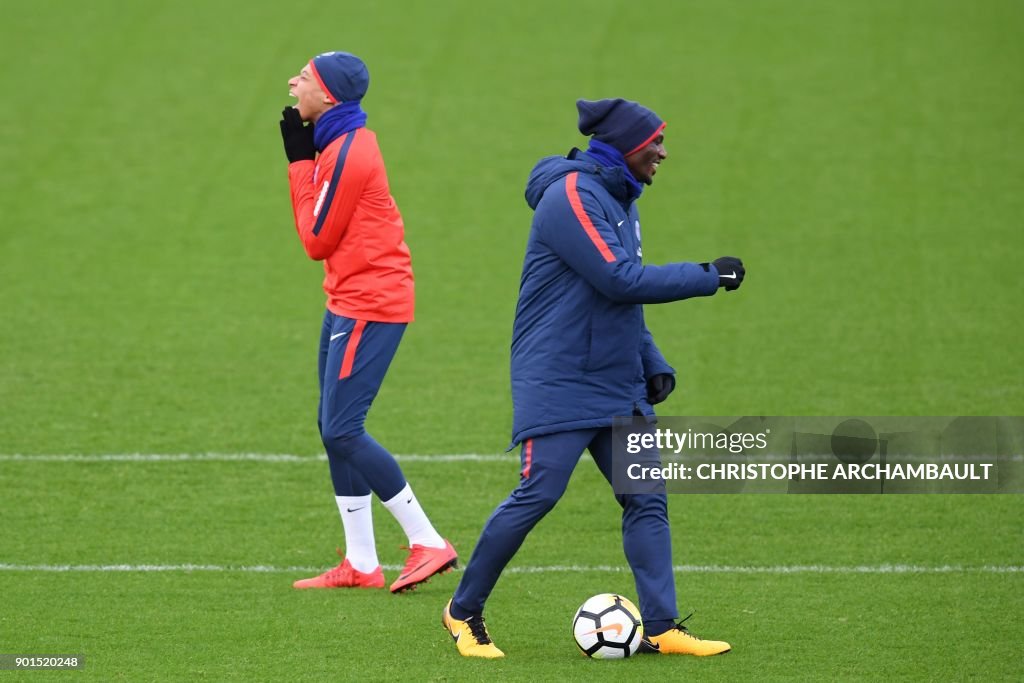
(350, 351)
(529, 458)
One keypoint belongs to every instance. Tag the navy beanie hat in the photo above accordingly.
(626, 126)
(342, 76)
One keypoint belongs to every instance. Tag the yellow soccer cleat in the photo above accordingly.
(679, 641)
(470, 636)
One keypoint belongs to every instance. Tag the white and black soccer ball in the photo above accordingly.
(608, 626)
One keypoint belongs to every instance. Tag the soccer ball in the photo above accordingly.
(608, 626)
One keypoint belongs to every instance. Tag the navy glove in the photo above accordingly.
(659, 387)
(730, 272)
(298, 137)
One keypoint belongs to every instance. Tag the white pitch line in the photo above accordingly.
(408, 457)
(253, 457)
(548, 569)
(786, 569)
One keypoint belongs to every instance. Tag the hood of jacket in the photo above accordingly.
(551, 169)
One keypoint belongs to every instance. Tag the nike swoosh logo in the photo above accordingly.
(619, 223)
(610, 627)
(730, 276)
(414, 570)
(342, 334)
(353, 509)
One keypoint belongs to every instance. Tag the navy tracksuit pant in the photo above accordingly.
(354, 357)
(547, 464)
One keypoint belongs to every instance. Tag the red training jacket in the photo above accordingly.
(347, 218)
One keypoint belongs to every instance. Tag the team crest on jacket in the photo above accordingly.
(639, 247)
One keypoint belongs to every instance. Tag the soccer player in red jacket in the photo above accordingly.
(346, 217)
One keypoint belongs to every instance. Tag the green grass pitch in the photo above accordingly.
(865, 159)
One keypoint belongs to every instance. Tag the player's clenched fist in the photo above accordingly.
(730, 272)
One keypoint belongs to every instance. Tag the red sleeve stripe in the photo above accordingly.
(647, 141)
(350, 350)
(584, 219)
(528, 457)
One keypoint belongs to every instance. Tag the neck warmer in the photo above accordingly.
(336, 121)
(608, 156)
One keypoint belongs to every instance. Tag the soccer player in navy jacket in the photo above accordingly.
(582, 354)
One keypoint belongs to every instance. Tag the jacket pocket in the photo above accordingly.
(614, 339)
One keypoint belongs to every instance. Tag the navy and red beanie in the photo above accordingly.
(626, 126)
(342, 76)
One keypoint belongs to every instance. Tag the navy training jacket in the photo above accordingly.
(581, 352)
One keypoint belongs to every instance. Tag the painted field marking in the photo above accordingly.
(543, 569)
(247, 457)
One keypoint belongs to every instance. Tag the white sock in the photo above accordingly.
(410, 515)
(357, 519)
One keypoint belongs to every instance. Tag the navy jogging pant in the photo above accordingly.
(354, 357)
(547, 463)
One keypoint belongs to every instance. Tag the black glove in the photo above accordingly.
(659, 387)
(730, 272)
(298, 137)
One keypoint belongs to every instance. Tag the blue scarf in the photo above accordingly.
(336, 121)
(608, 156)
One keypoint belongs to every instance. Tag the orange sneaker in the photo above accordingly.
(423, 563)
(470, 636)
(679, 641)
(344, 576)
